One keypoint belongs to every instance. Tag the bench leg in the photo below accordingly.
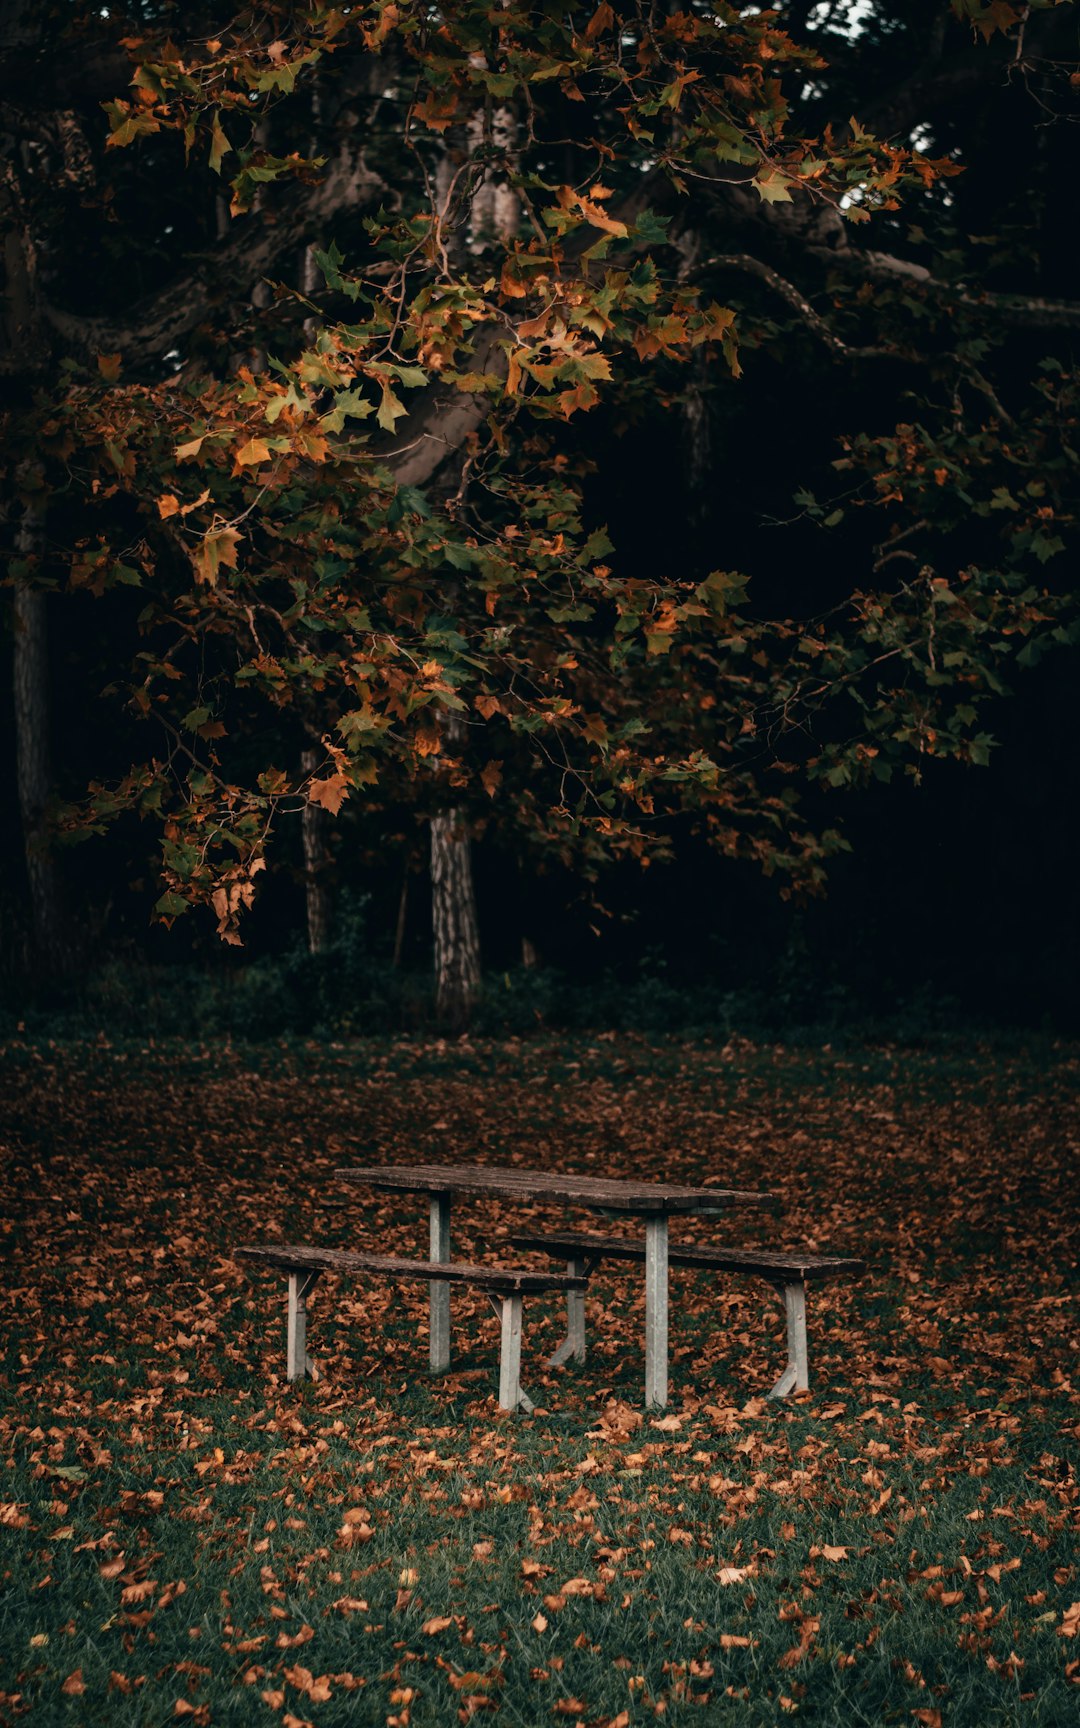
(439, 1294)
(511, 1394)
(573, 1345)
(297, 1361)
(796, 1376)
(656, 1311)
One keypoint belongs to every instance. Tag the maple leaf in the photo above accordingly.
(291, 1640)
(330, 793)
(254, 451)
(219, 143)
(1070, 1621)
(217, 551)
(772, 186)
(318, 1690)
(391, 407)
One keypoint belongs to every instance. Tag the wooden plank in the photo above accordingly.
(527, 1186)
(297, 1257)
(776, 1263)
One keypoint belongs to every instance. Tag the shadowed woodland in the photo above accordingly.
(765, 557)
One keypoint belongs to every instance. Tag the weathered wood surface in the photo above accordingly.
(781, 1265)
(520, 1280)
(796, 1376)
(439, 1305)
(606, 1194)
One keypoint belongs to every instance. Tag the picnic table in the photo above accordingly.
(653, 1202)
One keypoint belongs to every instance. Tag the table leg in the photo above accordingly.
(439, 1297)
(656, 1310)
(298, 1362)
(574, 1342)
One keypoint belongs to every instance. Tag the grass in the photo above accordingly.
(184, 1537)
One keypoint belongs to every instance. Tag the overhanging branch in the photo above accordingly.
(799, 303)
(156, 324)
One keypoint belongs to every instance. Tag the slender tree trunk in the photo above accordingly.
(696, 418)
(316, 858)
(453, 917)
(402, 918)
(493, 212)
(697, 433)
(30, 684)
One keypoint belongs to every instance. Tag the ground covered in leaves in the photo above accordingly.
(184, 1537)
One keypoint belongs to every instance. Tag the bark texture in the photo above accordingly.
(454, 923)
(316, 861)
(453, 908)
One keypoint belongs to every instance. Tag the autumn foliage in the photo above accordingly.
(353, 496)
(183, 1533)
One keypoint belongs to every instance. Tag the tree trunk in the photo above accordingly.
(316, 858)
(30, 684)
(402, 916)
(453, 918)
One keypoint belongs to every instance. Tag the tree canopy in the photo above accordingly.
(422, 386)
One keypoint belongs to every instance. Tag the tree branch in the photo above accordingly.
(1025, 311)
(154, 325)
(788, 291)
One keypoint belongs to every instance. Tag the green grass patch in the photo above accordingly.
(184, 1537)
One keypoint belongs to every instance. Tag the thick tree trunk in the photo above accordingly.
(30, 685)
(453, 918)
(316, 858)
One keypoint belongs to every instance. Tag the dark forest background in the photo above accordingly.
(957, 900)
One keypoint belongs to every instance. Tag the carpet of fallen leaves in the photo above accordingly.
(184, 1536)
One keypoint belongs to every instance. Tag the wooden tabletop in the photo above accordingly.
(601, 1193)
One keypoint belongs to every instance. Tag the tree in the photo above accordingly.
(363, 513)
(23, 356)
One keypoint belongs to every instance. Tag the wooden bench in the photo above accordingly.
(505, 1287)
(788, 1273)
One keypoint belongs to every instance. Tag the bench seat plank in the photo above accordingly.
(782, 1264)
(518, 1280)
